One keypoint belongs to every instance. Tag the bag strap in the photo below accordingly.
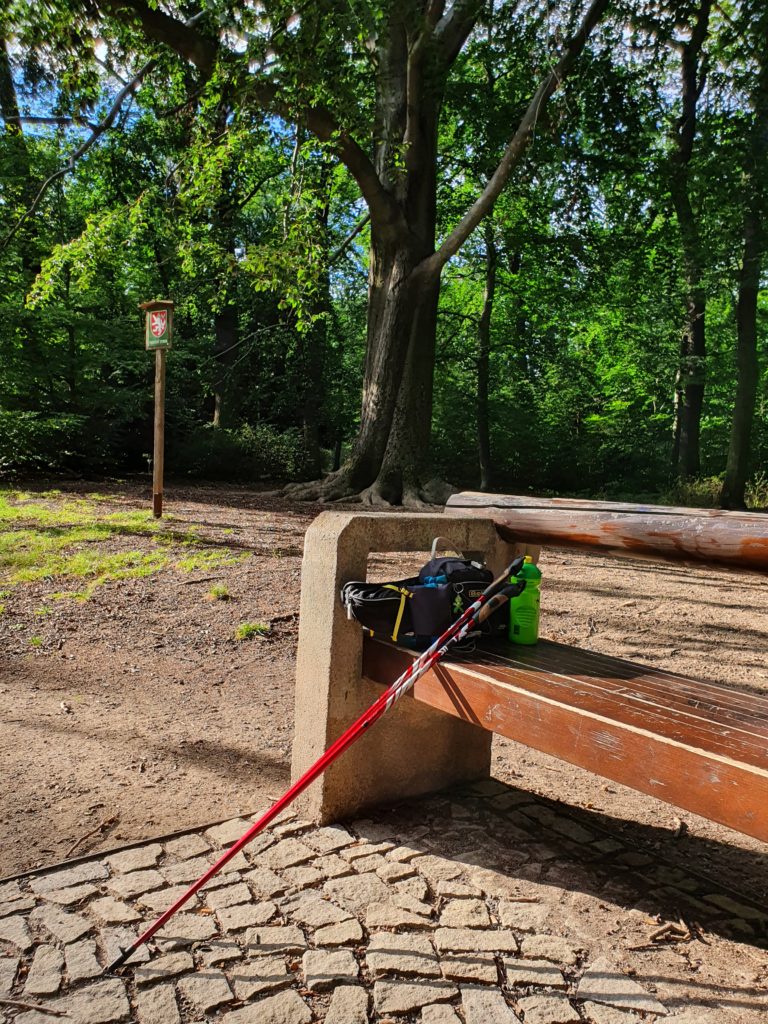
(403, 592)
(434, 547)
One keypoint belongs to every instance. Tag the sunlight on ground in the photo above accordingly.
(50, 536)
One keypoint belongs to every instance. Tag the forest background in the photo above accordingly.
(507, 245)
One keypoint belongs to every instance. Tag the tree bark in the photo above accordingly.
(484, 359)
(747, 368)
(690, 377)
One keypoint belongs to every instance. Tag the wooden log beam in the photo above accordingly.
(696, 745)
(738, 540)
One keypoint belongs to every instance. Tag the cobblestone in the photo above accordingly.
(465, 914)
(405, 997)
(398, 953)
(206, 990)
(349, 1005)
(158, 1005)
(159, 900)
(10, 891)
(333, 866)
(187, 846)
(245, 916)
(284, 1008)
(220, 951)
(63, 926)
(90, 872)
(278, 938)
(477, 967)
(9, 965)
(135, 859)
(167, 966)
(259, 975)
(265, 882)
(392, 915)
(315, 912)
(547, 1008)
(438, 869)
(389, 872)
(69, 897)
(287, 854)
(324, 968)
(339, 934)
(135, 883)
(185, 928)
(16, 906)
(108, 910)
(186, 870)
(467, 940)
(549, 947)
(534, 972)
(228, 832)
(439, 1013)
(100, 1003)
(81, 960)
(357, 891)
(228, 896)
(44, 978)
(303, 877)
(599, 1014)
(329, 839)
(115, 939)
(449, 888)
(603, 982)
(486, 1006)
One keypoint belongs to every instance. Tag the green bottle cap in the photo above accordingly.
(528, 570)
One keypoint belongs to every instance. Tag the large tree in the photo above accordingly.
(367, 80)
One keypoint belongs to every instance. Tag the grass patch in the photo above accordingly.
(36, 641)
(46, 536)
(246, 630)
(219, 593)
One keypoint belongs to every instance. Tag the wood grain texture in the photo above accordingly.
(697, 745)
(738, 540)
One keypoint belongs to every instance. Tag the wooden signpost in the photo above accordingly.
(157, 336)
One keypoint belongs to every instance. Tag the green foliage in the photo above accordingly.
(219, 593)
(247, 630)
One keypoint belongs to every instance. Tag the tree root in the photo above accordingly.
(381, 494)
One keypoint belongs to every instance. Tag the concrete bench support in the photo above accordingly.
(414, 749)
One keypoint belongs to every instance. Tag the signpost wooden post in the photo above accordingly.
(157, 336)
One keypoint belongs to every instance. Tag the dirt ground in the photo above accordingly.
(138, 713)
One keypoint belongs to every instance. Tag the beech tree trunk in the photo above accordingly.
(484, 359)
(691, 372)
(747, 367)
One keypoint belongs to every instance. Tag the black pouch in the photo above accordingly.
(424, 606)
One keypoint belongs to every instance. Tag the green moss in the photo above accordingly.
(36, 641)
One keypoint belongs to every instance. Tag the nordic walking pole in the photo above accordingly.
(492, 598)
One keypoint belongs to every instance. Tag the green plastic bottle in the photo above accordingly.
(524, 609)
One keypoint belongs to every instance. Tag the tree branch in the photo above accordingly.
(31, 119)
(454, 27)
(125, 93)
(341, 249)
(180, 36)
(517, 145)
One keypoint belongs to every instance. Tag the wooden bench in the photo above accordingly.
(698, 745)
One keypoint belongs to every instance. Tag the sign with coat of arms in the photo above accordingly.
(159, 323)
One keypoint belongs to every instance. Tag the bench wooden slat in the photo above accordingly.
(631, 682)
(582, 717)
(635, 708)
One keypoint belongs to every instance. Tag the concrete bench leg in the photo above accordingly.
(414, 749)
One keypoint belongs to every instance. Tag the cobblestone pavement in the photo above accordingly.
(487, 906)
